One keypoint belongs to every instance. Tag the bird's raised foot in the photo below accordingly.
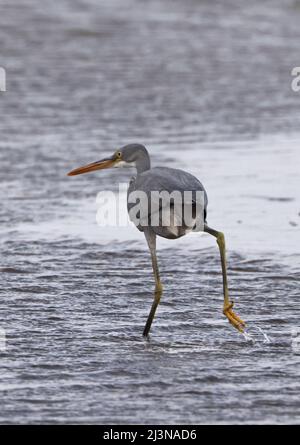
(233, 319)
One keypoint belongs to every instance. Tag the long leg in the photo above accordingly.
(151, 240)
(236, 321)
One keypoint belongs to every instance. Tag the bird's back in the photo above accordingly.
(170, 180)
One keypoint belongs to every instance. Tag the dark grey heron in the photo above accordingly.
(166, 179)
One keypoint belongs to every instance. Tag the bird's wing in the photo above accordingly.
(170, 180)
(161, 179)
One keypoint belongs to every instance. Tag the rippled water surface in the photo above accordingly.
(205, 85)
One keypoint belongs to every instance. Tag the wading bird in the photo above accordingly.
(164, 179)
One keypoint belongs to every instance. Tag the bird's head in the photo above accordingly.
(131, 155)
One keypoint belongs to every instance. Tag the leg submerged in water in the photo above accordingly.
(236, 321)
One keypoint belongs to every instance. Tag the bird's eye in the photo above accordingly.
(119, 154)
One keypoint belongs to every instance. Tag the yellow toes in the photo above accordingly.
(234, 319)
(237, 318)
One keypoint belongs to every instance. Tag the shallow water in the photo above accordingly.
(206, 87)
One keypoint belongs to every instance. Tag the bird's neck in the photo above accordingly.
(143, 162)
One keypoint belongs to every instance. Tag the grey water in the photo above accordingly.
(206, 86)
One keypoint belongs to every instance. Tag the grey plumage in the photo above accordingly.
(170, 180)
